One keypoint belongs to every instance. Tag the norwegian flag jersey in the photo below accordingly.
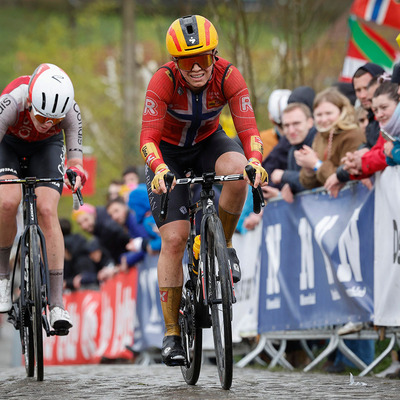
(175, 114)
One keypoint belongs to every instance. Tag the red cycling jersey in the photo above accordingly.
(175, 114)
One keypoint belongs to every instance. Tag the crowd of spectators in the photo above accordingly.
(116, 236)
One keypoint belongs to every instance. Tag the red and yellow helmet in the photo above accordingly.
(191, 35)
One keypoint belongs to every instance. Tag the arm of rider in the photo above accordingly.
(261, 173)
(158, 183)
(75, 164)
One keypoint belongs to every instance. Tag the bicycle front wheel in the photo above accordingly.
(37, 307)
(220, 299)
(192, 337)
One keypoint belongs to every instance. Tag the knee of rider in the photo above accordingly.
(174, 243)
(9, 206)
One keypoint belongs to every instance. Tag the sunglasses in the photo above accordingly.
(42, 119)
(203, 60)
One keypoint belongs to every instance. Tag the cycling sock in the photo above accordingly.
(56, 288)
(170, 301)
(229, 222)
(5, 262)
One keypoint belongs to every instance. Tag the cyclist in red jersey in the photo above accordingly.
(181, 131)
(34, 112)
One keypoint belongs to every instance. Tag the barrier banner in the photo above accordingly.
(118, 314)
(317, 260)
(387, 248)
(149, 328)
(80, 345)
(103, 323)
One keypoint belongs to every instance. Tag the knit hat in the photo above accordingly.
(373, 69)
(303, 94)
(84, 209)
(277, 102)
(396, 73)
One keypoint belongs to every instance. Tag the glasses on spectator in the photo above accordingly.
(42, 119)
(203, 60)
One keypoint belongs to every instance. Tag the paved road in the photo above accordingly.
(157, 381)
(160, 382)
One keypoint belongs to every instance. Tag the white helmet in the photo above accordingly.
(51, 91)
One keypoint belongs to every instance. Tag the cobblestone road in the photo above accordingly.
(160, 382)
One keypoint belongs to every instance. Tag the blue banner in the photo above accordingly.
(149, 327)
(317, 260)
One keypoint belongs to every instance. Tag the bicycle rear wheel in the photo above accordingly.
(37, 306)
(220, 298)
(192, 338)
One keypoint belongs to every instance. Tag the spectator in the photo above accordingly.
(139, 202)
(130, 176)
(103, 262)
(298, 127)
(361, 80)
(120, 213)
(392, 148)
(338, 133)
(79, 270)
(114, 189)
(384, 104)
(111, 235)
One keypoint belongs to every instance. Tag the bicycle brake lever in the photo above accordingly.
(76, 196)
(258, 197)
(168, 179)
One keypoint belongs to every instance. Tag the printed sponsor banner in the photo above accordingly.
(317, 260)
(80, 345)
(103, 322)
(387, 248)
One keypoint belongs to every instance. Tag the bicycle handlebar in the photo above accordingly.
(77, 197)
(258, 198)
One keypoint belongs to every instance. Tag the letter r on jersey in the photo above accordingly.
(245, 104)
(150, 107)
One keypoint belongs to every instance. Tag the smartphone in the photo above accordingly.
(387, 136)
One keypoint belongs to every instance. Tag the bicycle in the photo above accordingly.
(29, 311)
(208, 293)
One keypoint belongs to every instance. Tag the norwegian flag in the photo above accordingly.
(382, 12)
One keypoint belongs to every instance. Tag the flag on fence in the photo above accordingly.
(365, 45)
(382, 12)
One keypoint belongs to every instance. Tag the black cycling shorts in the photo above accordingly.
(200, 158)
(45, 158)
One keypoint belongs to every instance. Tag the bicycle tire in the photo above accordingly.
(26, 330)
(26, 337)
(37, 306)
(192, 338)
(220, 298)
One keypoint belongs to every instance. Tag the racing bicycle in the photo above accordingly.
(208, 293)
(29, 310)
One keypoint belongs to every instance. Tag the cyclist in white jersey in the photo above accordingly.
(34, 112)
